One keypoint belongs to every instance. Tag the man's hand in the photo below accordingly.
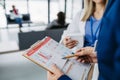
(86, 55)
(56, 73)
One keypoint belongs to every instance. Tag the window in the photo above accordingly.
(21, 5)
(73, 6)
(55, 7)
(3, 22)
(39, 10)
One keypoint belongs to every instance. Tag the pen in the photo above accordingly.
(69, 56)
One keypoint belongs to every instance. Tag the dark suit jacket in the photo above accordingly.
(108, 47)
(64, 77)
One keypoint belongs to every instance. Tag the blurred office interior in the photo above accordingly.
(13, 43)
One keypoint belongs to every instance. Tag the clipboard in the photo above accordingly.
(46, 52)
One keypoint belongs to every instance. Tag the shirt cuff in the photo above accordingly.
(64, 77)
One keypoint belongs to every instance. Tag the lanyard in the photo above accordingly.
(94, 35)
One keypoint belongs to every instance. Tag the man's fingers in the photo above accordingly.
(84, 51)
(54, 68)
(84, 59)
(50, 74)
(80, 53)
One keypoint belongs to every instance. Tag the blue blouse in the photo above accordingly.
(92, 28)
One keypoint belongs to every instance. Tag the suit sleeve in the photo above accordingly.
(117, 55)
(64, 77)
(116, 38)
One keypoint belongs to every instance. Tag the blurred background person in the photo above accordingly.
(15, 15)
(14, 9)
(59, 22)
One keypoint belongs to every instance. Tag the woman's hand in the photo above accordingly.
(86, 55)
(68, 42)
(56, 73)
